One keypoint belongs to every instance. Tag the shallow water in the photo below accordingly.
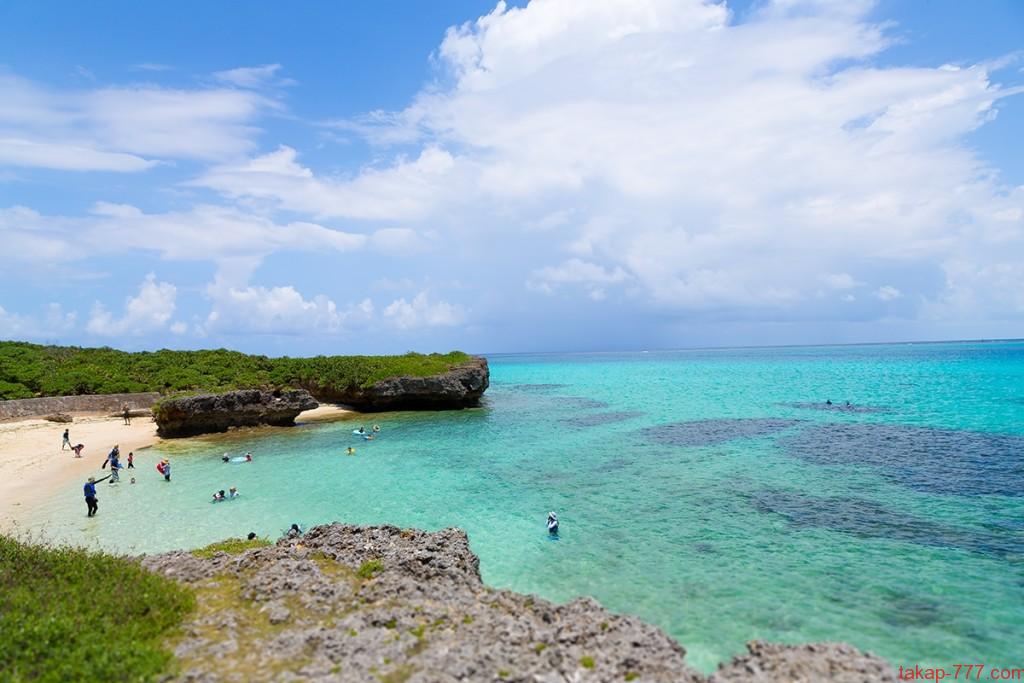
(695, 489)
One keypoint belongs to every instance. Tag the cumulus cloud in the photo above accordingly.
(122, 128)
(421, 311)
(147, 311)
(278, 310)
(702, 163)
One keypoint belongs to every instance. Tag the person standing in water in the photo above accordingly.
(91, 501)
(131, 460)
(67, 439)
(167, 470)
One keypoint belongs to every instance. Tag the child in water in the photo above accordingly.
(232, 493)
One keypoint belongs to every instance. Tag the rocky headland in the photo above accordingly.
(460, 387)
(192, 415)
(349, 603)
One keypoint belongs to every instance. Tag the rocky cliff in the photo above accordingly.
(191, 415)
(460, 387)
(347, 603)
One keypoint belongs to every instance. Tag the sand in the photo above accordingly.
(33, 468)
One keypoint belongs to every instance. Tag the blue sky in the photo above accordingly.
(615, 174)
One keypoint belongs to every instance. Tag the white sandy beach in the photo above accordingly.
(33, 467)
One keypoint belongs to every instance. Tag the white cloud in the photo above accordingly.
(235, 240)
(888, 293)
(278, 310)
(408, 188)
(714, 165)
(423, 312)
(179, 327)
(253, 76)
(51, 324)
(148, 311)
(123, 128)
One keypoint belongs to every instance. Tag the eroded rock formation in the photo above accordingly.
(348, 603)
(191, 415)
(460, 387)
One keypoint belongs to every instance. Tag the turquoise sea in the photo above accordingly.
(711, 492)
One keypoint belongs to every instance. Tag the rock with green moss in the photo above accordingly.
(350, 603)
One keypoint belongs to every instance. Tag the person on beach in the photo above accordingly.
(131, 460)
(67, 439)
(78, 450)
(127, 413)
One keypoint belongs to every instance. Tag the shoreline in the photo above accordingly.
(33, 468)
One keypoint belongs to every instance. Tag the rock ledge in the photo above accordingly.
(191, 415)
(349, 603)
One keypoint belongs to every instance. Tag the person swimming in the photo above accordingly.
(225, 458)
(248, 457)
(232, 493)
(361, 430)
(552, 523)
(828, 402)
(251, 536)
(351, 451)
(218, 496)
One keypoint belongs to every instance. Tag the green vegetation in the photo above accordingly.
(232, 546)
(68, 614)
(587, 662)
(369, 568)
(28, 370)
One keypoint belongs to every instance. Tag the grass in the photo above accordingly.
(232, 546)
(28, 370)
(369, 568)
(68, 614)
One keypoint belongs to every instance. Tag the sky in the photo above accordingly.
(557, 175)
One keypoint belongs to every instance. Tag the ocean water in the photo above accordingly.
(710, 492)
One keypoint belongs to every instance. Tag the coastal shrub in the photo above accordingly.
(369, 568)
(232, 546)
(587, 662)
(28, 370)
(68, 614)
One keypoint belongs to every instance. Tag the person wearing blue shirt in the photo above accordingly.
(90, 497)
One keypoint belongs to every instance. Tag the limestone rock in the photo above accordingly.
(808, 663)
(460, 387)
(58, 417)
(191, 415)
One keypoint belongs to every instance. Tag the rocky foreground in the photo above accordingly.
(206, 413)
(347, 603)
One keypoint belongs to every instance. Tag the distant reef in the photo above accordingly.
(459, 387)
(349, 603)
(192, 415)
